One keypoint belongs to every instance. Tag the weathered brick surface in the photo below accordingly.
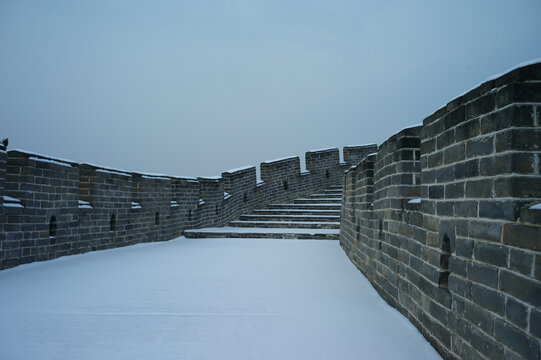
(66, 208)
(354, 154)
(463, 262)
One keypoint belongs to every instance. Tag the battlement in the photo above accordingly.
(52, 207)
(444, 221)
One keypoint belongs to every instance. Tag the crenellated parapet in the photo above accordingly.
(52, 207)
(447, 226)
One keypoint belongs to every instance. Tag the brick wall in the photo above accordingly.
(439, 221)
(58, 208)
(354, 154)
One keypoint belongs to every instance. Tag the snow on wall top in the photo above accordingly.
(243, 168)
(490, 78)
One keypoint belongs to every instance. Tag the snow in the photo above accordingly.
(307, 205)
(174, 203)
(12, 202)
(535, 207)
(240, 169)
(84, 205)
(152, 177)
(105, 171)
(293, 210)
(136, 205)
(11, 199)
(280, 222)
(202, 299)
(201, 202)
(33, 158)
(408, 127)
(281, 159)
(39, 156)
(494, 77)
(322, 150)
(226, 195)
(415, 201)
(320, 198)
(522, 64)
(244, 230)
(294, 216)
(17, 205)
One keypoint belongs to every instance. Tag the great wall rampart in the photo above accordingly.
(443, 221)
(51, 207)
(442, 218)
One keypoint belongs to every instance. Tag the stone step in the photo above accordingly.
(295, 212)
(337, 201)
(312, 218)
(264, 233)
(336, 187)
(325, 196)
(335, 192)
(286, 224)
(306, 206)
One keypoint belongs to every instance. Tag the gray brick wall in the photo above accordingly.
(354, 154)
(463, 263)
(68, 208)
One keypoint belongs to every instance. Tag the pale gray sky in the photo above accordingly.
(198, 87)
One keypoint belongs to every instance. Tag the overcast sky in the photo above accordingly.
(195, 88)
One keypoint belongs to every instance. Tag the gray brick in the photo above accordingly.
(485, 230)
(460, 286)
(479, 316)
(527, 290)
(535, 322)
(464, 247)
(516, 312)
(480, 146)
(454, 191)
(454, 154)
(512, 116)
(487, 298)
(491, 253)
(479, 188)
(518, 139)
(485, 345)
(436, 192)
(521, 261)
(466, 208)
(506, 210)
(523, 236)
(516, 339)
(483, 274)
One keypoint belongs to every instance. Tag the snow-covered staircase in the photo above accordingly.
(313, 217)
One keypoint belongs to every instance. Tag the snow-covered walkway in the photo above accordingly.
(202, 299)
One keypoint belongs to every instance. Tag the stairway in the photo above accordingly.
(313, 217)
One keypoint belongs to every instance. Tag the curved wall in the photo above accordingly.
(442, 221)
